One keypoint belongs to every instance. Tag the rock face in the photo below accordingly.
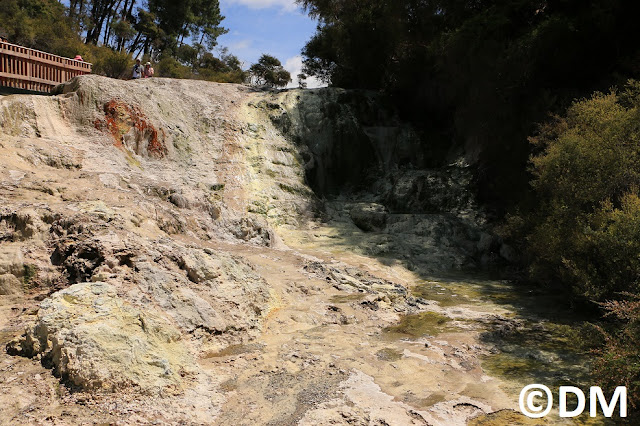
(12, 269)
(222, 245)
(448, 189)
(348, 138)
(212, 293)
(377, 171)
(96, 340)
(185, 163)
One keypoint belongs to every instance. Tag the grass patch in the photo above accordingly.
(389, 354)
(30, 273)
(422, 324)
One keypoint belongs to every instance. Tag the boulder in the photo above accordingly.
(98, 341)
(199, 266)
(180, 201)
(486, 242)
(252, 229)
(369, 216)
(9, 284)
(11, 260)
(213, 293)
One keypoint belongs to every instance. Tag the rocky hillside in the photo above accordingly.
(188, 252)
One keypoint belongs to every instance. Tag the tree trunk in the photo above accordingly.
(110, 17)
(134, 45)
(130, 12)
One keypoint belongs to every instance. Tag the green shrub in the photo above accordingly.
(110, 63)
(237, 76)
(172, 68)
(585, 231)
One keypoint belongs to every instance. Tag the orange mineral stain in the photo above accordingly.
(120, 118)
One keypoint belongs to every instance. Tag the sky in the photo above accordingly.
(276, 27)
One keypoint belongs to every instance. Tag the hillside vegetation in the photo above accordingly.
(583, 235)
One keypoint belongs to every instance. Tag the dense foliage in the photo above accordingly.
(583, 235)
(618, 361)
(482, 71)
(585, 228)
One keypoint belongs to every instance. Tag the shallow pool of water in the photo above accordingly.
(538, 339)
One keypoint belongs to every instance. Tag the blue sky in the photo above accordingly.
(277, 27)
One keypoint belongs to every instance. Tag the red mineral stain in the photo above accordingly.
(120, 118)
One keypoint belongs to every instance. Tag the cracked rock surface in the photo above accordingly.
(171, 252)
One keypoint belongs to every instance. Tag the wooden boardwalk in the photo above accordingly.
(30, 69)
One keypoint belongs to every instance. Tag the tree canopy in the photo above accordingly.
(148, 29)
(268, 71)
(481, 72)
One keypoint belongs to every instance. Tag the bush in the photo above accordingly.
(213, 71)
(110, 63)
(618, 362)
(585, 231)
(237, 76)
(172, 68)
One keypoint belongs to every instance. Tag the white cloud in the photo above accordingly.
(294, 66)
(240, 45)
(286, 5)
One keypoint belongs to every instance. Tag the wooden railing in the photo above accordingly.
(29, 69)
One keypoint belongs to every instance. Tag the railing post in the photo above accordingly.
(29, 74)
